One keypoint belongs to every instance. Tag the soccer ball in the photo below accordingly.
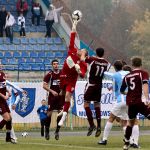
(77, 15)
(24, 134)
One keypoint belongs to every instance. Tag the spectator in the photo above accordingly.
(22, 7)
(50, 18)
(21, 24)
(36, 12)
(10, 21)
(3, 15)
(42, 112)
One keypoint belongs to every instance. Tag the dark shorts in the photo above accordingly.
(55, 102)
(92, 93)
(4, 107)
(141, 108)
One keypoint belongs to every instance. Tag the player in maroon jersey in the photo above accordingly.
(4, 109)
(55, 101)
(135, 81)
(72, 68)
(97, 66)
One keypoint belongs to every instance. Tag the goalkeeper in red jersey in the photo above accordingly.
(72, 68)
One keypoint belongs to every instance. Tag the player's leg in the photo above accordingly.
(107, 129)
(66, 107)
(42, 126)
(13, 135)
(89, 118)
(98, 118)
(47, 124)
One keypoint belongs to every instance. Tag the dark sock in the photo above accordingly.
(47, 124)
(8, 134)
(128, 132)
(66, 106)
(58, 127)
(89, 116)
(9, 125)
(2, 123)
(98, 116)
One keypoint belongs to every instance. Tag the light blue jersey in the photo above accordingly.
(117, 79)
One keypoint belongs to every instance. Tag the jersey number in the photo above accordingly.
(99, 71)
(132, 86)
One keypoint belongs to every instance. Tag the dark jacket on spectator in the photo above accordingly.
(3, 15)
(21, 6)
(36, 9)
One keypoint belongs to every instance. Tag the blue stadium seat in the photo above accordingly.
(33, 54)
(29, 47)
(7, 41)
(25, 67)
(42, 67)
(1, 55)
(35, 67)
(49, 41)
(24, 41)
(12, 47)
(8, 55)
(16, 29)
(24, 54)
(41, 29)
(13, 61)
(57, 40)
(54, 47)
(29, 60)
(41, 40)
(41, 54)
(32, 41)
(65, 54)
(21, 60)
(58, 54)
(45, 47)
(16, 54)
(38, 60)
(50, 55)
(62, 48)
(10, 68)
(33, 29)
(16, 41)
(37, 48)
(3, 47)
(47, 67)
(47, 61)
(20, 47)
(5, 61)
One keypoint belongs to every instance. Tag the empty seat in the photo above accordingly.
(1, 55)
(16, 41)
(24, 41)
(41, 40)
(29, 47)
(12, 47)
(29, 60)
(9, 68)
(38, 60)
(21, 60)
(33, 54)
(54, 47)
(37, 48)
(5, 61)
(13, 61)
(45, 47)
(57, 40)
(32, 41)
(41, 54)
(58, 54)
(24, 54)
(25, 67)
(49, 40)
(1, 41)
(50, 55)
(4, 47)
(47, 61)
(7, 41)
(16, 55)
(20, 47)
(35, 67)
(7, 54)
(62, 48)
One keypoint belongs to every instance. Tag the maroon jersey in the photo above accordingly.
(53, 78)
(2, 83)
(69, 70)
(97, 67)
(134, 81)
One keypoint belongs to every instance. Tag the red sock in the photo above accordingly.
(98, 116)
(66, 106)
(89, 116)
(2, 123)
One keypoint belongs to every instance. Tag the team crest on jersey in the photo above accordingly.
(26, 103)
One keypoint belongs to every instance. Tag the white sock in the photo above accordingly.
(135, 134)
(107, 129)
(63, 118)
(124, 129)
(13, 133)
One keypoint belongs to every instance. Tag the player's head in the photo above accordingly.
(136, 61)
(118, 65)
(100, 52)
(127, 68)
(82, 52)
(43, 102)
(55, 64)
(124, 63)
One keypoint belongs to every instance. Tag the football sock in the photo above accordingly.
(98, 116)
(13, 133)
(107, 130)
(58, 127)
(2, 123)
(66, 106)
(9, 125)
(135, 134)
(89, 116)
(124, 129)
(128, 133)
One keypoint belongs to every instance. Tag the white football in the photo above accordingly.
(24, 134)
(77, 15)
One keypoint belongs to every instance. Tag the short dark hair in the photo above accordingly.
(127, 68)
(118, 65)
(100, 52)
(136, 61)
(54, 60)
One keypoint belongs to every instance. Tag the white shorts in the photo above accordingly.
(120, 110)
